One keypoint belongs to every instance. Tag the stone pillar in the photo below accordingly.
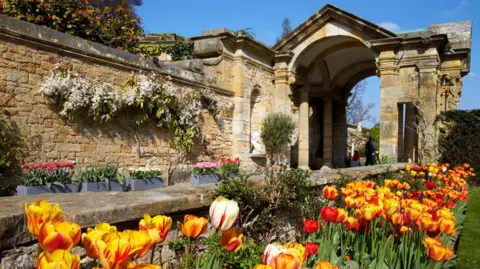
(427, 110)
(388, 104)
(400, 132)
(410, 132)
(240, 123)
(282, 93)
(339, 133)
(304, 130)
(327, 131)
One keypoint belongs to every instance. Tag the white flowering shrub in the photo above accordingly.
(146, 96)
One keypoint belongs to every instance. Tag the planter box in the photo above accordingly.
(144, 184)
(232, 175)
(31, 190)
(204, 179)
(100, 187)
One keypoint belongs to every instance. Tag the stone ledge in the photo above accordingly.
(88, 209)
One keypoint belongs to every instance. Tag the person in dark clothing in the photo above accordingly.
(369, 152)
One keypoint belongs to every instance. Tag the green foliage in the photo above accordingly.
(42, 177)
(277, 133)
(458, 141)
(116, 26)
(468, 255)
(145, 174)
(12, 151)
(264, 203)
(245, 258)
(248, 32)
(102, 174)
(180, 50)
(375, 134)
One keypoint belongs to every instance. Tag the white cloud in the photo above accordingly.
(471, 74)
(390, 26)
(460, 7)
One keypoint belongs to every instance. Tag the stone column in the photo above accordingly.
(304, 130)
(339, 133)
(240, 123)
(327, 131)
(388, 104)
(281, 96)
(409, 143)
(427, 110)
(400, 132)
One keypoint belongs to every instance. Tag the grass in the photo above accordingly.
(468, 250)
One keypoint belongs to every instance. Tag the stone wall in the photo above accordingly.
(124, 209)
(28, 53)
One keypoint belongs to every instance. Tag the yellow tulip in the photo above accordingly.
(447, 226)
(59, 235)
(193, 226)
(439, 253)
(262, 266)
(90, 238)
(40, 212)
(286, 261)
(134, 265)
(116, 254)
(140, 240)
(342, 215)
(59, 259)
(297, 250)
(157, 227)
(391, 206)
(231, 240)
(223, 213)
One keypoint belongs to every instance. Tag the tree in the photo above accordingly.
(286, 28)
(277, 134)
(113, 3)
(357, 111)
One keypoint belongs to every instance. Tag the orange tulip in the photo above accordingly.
(140, 240)
(445, 213)
(412, 213)
(439, 253)
(427, 223)
(351, 202)
(262, 266)
(368, 212)
(157, 227)
(322, 264)
(115, 254)
(271, 251)
(330, 192)
(391, 206)
(90, 238)
(286, 261)
(59, 259)
(59, 235)
(447, 226)
(231, 240)
(351, 223)
(40, 212)
(429, 242)
(404, 229)
(297, 250)
(134, 265)
(342, 215)
(193, 226)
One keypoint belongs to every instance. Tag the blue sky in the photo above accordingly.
(189, 18)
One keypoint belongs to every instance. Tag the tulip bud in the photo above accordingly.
(231, 240)
(223, 213)
(40, 212)
(271, 251)
(59, 235)
(193, 226)
(312, 248)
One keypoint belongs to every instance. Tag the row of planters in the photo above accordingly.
(395, 223)
(59, 177)
(212, 172)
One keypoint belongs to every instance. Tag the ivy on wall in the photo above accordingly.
(145, 96)
(180, 50)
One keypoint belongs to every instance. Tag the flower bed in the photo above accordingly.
(391, 223)
(49, 177)
(205, 173)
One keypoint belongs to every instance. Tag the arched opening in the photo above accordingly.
(256, 118)
(327, 70)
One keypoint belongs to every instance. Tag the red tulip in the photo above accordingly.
(310, 226)
(430, 185)
(329, 214)
(312, 248)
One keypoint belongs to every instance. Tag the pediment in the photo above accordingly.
(331, 14)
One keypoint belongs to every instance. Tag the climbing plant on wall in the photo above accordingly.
(180, 50)
(144, 95)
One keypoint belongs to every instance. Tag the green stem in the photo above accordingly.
(153, 254)
(187, 254)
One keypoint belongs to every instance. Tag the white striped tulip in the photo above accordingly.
(223, 213)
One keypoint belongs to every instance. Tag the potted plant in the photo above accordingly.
(229, 168)
(145, 179)
(53, 177)
(104, 178)
(205, 173)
